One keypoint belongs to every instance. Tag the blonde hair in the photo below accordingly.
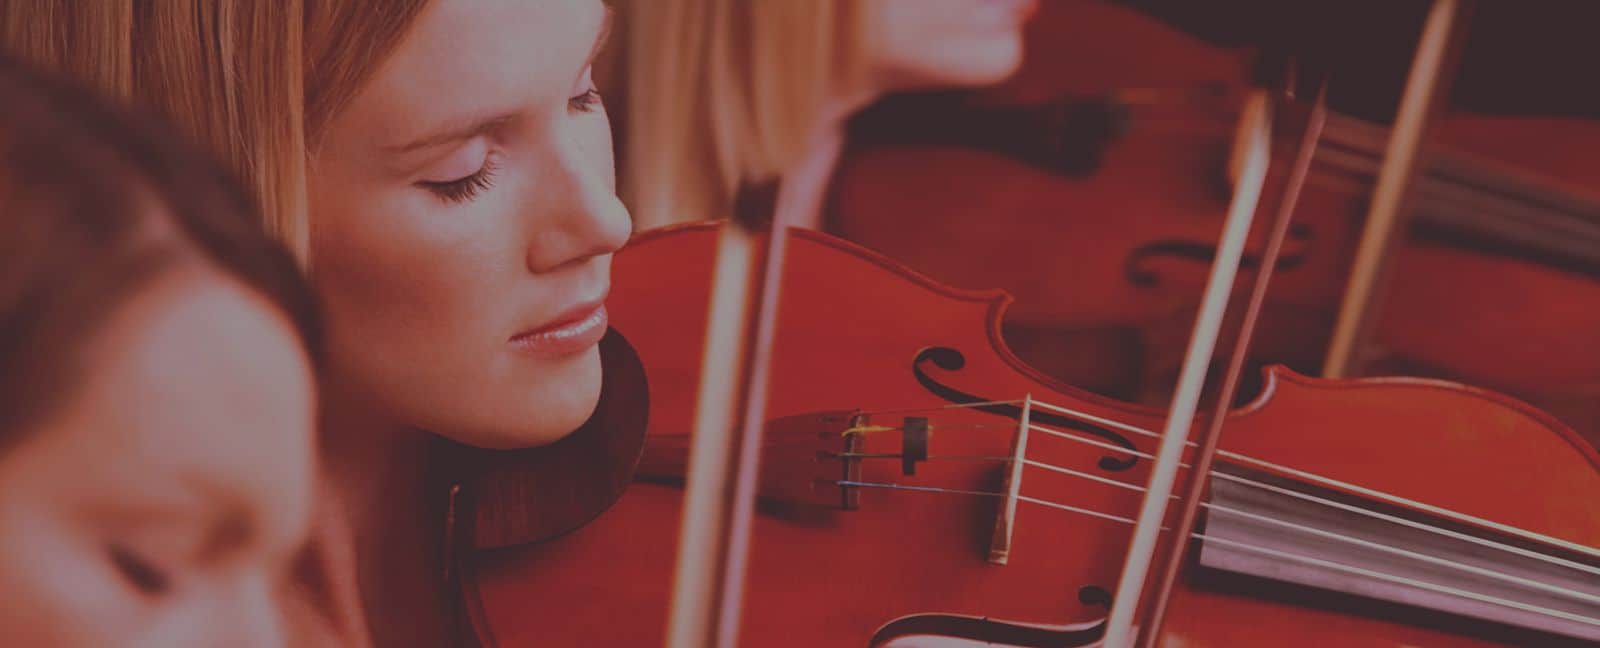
(253, 80)
(722, 92)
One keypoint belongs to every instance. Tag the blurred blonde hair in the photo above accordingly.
(253, 80)
(719, 92)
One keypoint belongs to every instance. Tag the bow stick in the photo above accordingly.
(1175, 434)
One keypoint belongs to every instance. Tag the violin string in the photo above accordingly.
(1025, 461)
(1443, 589)
(1420, 526)
(1355, 509)
(1467, 201)
(1406, 502)
(1034, 427)
(1443, 562)
(958, 491)
(1057, 433)
(1298, 474)
(1067, 507)
(1115, 425)
(938, 408)
(1352, 152)
(1084, 475)
(1297, 557)
(896, 455)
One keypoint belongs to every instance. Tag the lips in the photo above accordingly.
(576, 330)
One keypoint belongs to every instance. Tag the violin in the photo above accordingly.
(919, 479)
(1110, 178)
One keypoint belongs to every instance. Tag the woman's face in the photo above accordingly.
(931, 43)
(161, 504)
(463, 215)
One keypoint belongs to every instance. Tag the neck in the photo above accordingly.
(378, 469)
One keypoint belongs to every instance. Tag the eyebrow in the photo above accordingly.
(480, 125)
(470, 129)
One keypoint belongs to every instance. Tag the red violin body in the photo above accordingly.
(834, 565)
(1130, 237)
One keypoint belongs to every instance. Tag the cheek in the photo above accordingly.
(57, 589)
(416, 296)
(401, 268)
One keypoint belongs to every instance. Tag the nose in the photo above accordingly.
(577, 213)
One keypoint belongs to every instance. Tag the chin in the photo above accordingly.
(536, 415)
(970, 66)
(991, 64)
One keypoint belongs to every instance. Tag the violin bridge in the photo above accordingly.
(1000, 544)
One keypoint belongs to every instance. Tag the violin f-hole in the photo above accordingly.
(950, 359)
(990, 631)
(1138, 271)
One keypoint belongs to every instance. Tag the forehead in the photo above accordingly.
(464, 58)
(195, 387)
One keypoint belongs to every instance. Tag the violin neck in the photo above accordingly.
(1314, 540)
(1476, 202)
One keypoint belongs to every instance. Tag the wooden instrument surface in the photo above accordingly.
(853, 327)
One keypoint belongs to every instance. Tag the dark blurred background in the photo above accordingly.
(1521, 57)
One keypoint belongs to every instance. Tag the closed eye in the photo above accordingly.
(466, 188)
(143, 574)
(589, 101)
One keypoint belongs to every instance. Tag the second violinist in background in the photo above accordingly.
(722, 94)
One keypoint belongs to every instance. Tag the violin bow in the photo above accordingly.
(730, 410)
(1440, 41)
(1438, 52)
(1191, 377)
(1205, 454)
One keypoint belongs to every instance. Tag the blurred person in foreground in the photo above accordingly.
(157, 399)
